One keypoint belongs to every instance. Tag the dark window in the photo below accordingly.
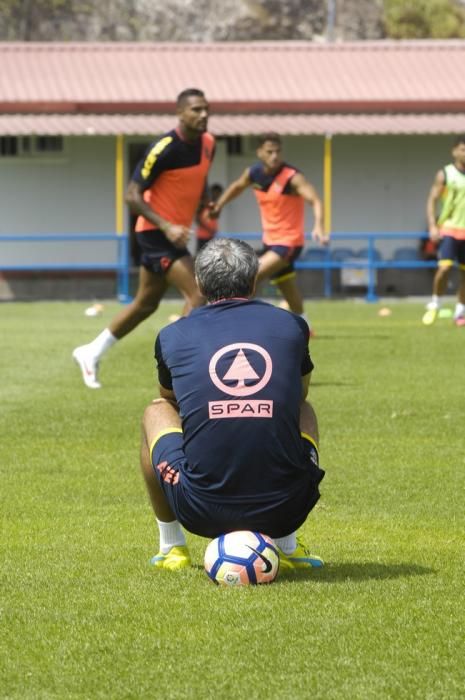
(49, 144)
(234, 145)
(30, 145)
(8, 145)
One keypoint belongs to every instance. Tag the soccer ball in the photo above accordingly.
(240, 558)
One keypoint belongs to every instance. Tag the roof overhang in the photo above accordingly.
(312, 107)
(232, 124)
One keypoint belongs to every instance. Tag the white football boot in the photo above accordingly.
(89, 366)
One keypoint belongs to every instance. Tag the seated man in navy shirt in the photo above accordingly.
(232, 442)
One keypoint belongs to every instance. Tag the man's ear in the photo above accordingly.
(199, 285)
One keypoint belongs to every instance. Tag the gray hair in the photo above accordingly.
(226, 268)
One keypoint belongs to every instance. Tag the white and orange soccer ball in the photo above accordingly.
(241, 558)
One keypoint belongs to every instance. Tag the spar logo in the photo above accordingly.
(241, 370)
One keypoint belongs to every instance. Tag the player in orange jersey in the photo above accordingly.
(164, 193)
(281, 191)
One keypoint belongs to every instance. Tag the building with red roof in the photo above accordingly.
(307, 88)
(369, 123)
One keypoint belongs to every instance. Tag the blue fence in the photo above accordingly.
(368, 258)
(120, 264)
(314, 257)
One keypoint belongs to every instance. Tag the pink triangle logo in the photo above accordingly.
(241, 369)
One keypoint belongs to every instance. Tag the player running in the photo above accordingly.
(448, 189)
(281, 191)
(164, 192)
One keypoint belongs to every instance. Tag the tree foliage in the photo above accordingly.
(228, 20)
(175, 20)
(66, 20)
(424, 19)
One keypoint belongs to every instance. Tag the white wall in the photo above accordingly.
(380, 183)
(70, 193)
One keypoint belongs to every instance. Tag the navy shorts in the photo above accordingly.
(211, 519)
(157, 252)
(288, 253)
(451, 250)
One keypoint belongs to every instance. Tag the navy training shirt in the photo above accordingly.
(235, 367)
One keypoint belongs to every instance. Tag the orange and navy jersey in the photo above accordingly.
(172, 175)
(282, 212)
(207, 228)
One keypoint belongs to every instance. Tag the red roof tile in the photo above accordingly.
(237, 77)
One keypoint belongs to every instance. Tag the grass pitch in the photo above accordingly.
(83, 616)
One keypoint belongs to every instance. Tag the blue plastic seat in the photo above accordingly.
(363, 253)
(405, 253)
(341, 254)
(314, 255)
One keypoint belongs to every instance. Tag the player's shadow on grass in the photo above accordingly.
(357, 571)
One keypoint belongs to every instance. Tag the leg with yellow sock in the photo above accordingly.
(162, 437)
(440, 280)
(293, 552)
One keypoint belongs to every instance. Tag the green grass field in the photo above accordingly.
(83, 616)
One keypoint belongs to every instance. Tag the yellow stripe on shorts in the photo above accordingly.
(308, 437)
(166, 431)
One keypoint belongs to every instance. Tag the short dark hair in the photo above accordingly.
(269, 136)
(459, 139)
(185, 94)
(226, 268)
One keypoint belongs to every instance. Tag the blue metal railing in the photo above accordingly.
(370, 260)
(121, 266)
